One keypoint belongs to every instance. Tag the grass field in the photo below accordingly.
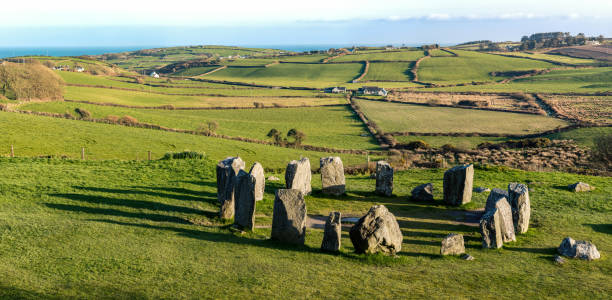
(388, 72)
(36, 136)
(307, 75)
(133, 98)
(592, 80)
(314, 58)
(339, 128)
(418, 118)
(464, 142)
(472, 66)
(439, 53)
(148, 230)
(383, 56)
(583, 136)
(552, 57)
(194, 71)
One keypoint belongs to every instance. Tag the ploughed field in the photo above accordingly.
(115, 229)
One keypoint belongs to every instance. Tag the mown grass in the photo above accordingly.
(383, 56)
(38, 136)
(593, 80)
(418, 118)
(339, 128)
(472, 66)
(388, 72)
(148, 230)
(134, 98)
(306, 75)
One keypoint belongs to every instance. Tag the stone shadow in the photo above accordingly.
(204, 196)
(603, 228)
(118, 213)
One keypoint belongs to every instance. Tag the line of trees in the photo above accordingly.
(555, 39)
(294, 137)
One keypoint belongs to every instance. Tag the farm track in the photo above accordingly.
(366, 68)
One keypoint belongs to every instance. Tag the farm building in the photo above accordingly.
(79, 69)
(154, 75)
(372, 90)
(336, 90)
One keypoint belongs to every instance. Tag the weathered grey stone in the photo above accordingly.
(490, 229)
(452, 244)
(227, 170)
(423, 192)
(289, 217)
(580, 187)
(467, 257)
(498, 200)
(333, 232)
(384, 178)
(559, 260)
(458, 183)
(332, 176)
(521, 206)
(244, 192)
(377, 231)
(481, 189)
(578, 249)
(298, 176)
(273, 178)
(257, 171)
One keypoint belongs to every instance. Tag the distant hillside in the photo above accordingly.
(29, 80)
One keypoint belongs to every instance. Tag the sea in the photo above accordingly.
(6, 52)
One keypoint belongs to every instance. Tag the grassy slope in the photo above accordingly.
(558, 81)
(417, 118)
(194, 71)
(339, 128)
(134, 98)
(124, 230)
(472, 66)
(311, 75)
(385, 56)
(552, 57)
(465, 142)
(388, 71)
(35, 136)
(583, 136)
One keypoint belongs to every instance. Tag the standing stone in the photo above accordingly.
(332, 176)
(333, 233)
(298, 176)
(490, 228)
(498, 200)
(244, 192)
(521, 206)
(384, 178)
(452, 244)
(289, 217)
(227, 170)
(458, 183)
(377, 231)
(580, 187)
(423, 192)
(578, 249)
(257, 171)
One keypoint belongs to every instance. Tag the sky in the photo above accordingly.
(268, 22)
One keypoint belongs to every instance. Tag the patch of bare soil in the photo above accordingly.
(601, 52)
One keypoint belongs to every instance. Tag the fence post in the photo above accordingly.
(149, 154)
(83, 153)
(12, 151)
(368, 163)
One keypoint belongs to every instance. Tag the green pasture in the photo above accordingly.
(334, 127)
(583, 136)
(113, 229)
(392, 117)
(553, 57)
(382, 56)
(194, 71)
(395, 71)
(463, 142)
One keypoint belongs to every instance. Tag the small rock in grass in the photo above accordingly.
(423, 192)
(481, 189)
(467, 257)
(580, 187)
(559, 260)
(273, 178)
(452, 244)
(578, 249)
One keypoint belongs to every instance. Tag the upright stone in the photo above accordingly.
(257, 171)
(498, 200)
(521, 206)
(245, 200)
(333, 233)
(452, 244)
(377, 231)
(490, 228)
(384, 178)
(332, 176)
(289, 217)
(458, 183)
(298, 176)
(227, 170)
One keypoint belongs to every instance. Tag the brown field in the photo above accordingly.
(584, 108)
(522, 102)
(603, 52)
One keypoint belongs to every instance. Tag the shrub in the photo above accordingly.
(112, 118)
(29, 81)
(128, 120)
(258, 104)
(449, 148)
(3, 107)
(183, 155)
(415, 145)
(602, 152)
(523, 143)
(83, 114)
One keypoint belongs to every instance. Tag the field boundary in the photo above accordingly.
(447, 50)
(171, 107)
(558, 63)
(415, 70)
(213, 71)
(366, 68)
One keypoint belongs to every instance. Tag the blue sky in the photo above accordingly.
(266, 22)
